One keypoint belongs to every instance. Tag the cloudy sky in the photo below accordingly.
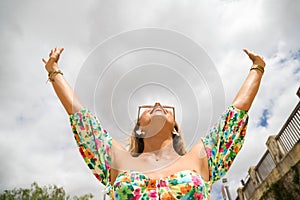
(36, 140)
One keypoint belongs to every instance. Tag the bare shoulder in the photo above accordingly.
(198, 150)
(198, 155)
(116, 144)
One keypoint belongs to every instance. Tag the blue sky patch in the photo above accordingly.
(263, 121)
(296, 55)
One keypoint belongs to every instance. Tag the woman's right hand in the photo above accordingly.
(256, 59)
(63, 90)
(52, 63)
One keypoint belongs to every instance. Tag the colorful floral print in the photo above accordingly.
(224, 141)
(94, 143)
(222, 144)
(184, 184)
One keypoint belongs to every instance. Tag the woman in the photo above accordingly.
(157, 165)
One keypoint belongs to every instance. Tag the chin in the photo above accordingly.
(158, 116)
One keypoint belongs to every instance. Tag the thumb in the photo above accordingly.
(43, 59)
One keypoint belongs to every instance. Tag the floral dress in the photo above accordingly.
(222, 144)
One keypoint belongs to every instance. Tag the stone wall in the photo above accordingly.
(282, 180)
(280, 172)
(287, 188)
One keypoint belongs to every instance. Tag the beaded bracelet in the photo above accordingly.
(53, 73)
(258, 67)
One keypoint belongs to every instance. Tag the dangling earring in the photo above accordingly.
(140, 132)
(175, 132)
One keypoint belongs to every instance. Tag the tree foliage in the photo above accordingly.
(40, 193)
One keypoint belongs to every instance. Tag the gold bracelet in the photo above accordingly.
(53, 73)
(258, 67)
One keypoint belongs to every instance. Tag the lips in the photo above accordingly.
(157, 109)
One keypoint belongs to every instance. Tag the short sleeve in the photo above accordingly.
(94, 143)
(224, 141)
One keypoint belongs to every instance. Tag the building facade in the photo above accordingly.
(276, 175)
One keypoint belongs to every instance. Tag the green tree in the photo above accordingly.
(40, 193)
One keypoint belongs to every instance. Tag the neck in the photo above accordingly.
(158, 143)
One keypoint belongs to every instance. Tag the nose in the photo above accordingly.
(157, 104)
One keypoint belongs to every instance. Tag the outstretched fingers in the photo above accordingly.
(51, 63)
(246, 51)
(256, 59)
(251, 54)
(55, 53)
(58, 50)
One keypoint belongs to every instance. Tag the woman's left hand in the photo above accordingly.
(52, 63)
(256, 59)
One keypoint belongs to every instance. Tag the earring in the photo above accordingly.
(140, 132)
(175, 132)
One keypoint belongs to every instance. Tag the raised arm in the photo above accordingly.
(249, 89)
(62, 89)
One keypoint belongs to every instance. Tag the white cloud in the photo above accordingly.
(36, 138)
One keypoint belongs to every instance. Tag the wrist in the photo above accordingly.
(53, 74)
(257, 67)
(49, 70)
